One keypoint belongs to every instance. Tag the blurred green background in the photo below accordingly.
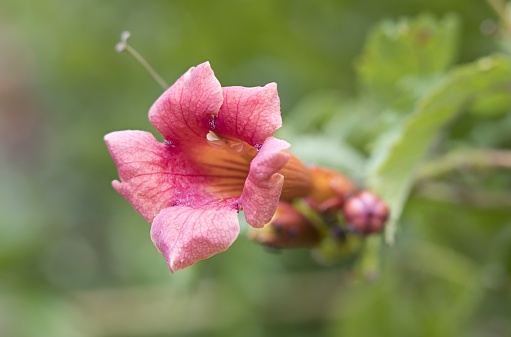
(77, 260)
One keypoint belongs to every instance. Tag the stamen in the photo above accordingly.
(215, 140)
(220, 142)
(124, 46)
(237, 145)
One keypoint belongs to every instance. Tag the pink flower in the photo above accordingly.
(218, 157)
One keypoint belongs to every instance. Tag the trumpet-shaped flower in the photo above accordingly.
(218, 157)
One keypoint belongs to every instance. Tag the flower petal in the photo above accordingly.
(249, 114)
(152, 175)
(185, 111)
(264, 185)
(185, 235)
(140, 160)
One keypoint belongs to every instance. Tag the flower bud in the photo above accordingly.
(329, 190)
(287, 229)
(365, 213)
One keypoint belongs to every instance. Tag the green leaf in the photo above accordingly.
(496, 104)
(313, 111)
(393, 174)
(319, 150)
(399, 55)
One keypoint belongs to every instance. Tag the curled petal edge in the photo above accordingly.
(185, 235)
(263, 186)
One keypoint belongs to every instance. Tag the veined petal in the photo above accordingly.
(264, 185)
(227, 170)
(249, 114)
(185, 235)
(140, 161)
(152, 176)
(184, 112)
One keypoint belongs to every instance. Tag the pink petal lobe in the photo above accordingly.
(185, 110)
(263, 186)
(249, 114)
(185, 235)
(142, 164)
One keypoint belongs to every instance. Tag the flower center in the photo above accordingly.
(219, 142)
(227, 163)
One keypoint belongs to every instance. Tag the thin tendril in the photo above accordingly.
(124, 46)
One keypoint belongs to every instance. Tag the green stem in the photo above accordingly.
(369, 263)
(454, 161)
(448, 193)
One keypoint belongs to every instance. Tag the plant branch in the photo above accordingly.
(448, 193)
(464, 159)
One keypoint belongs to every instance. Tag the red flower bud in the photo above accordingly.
(365, 213)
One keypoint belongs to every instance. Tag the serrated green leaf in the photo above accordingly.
(461, 87)
(409, 51)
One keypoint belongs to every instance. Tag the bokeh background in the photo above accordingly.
(77, 260)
